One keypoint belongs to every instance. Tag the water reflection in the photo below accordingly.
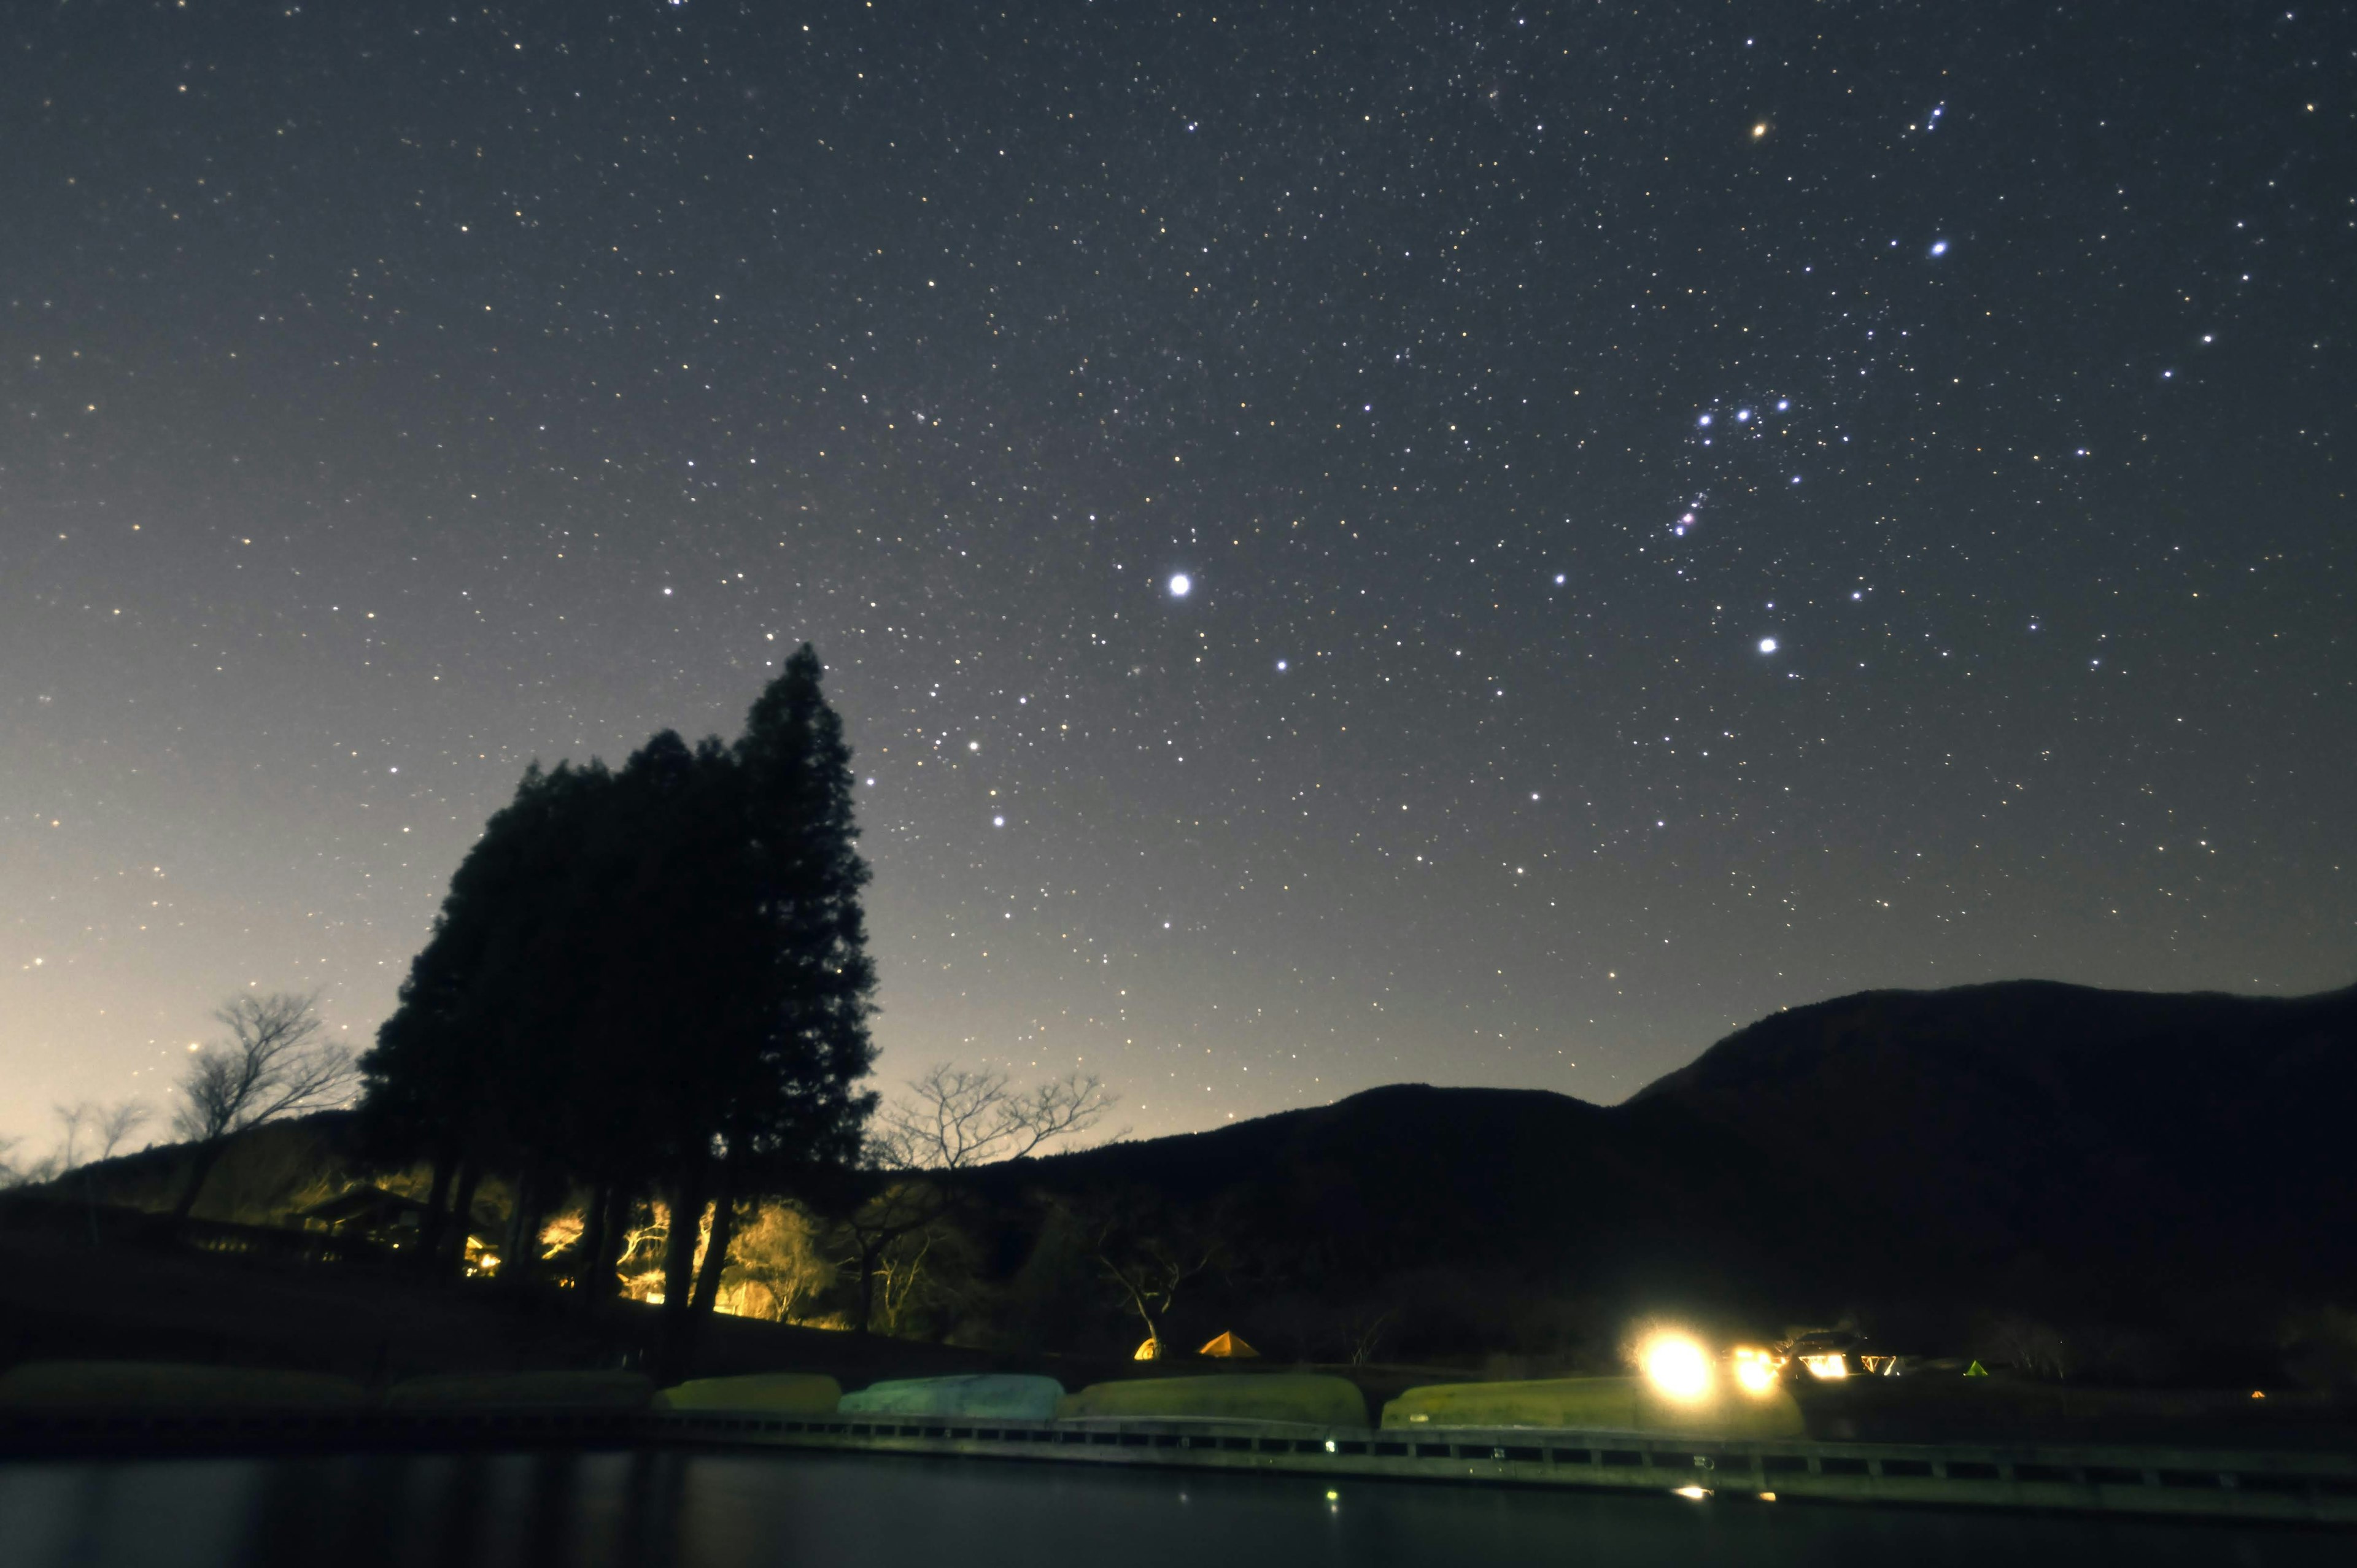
(754, 1510)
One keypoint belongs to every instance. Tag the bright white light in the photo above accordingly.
(1180, 585)
(1742, 416)
(1558, 579)
(1782, 403)
(998, 821)
(1939, 247)
(1280, 666)
(1675, 1364)
(1767, 645)
(1704, 420)
(974, 745)
(1755, 1370)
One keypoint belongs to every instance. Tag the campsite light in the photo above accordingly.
(1833, 1365)
(1693, 1494)
(1755, 1370)
(1675, 1364)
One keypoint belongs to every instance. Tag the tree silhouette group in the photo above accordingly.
(645, 983)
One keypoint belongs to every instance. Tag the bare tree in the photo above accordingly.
(106, 1125)
(273, 1065)
(953, 1119)
(956, 1118)
(1149, 1263)
(113, 1125)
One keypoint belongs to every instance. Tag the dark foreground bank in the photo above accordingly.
(640, 1509)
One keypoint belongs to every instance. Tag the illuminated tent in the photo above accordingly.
(1227, 1347)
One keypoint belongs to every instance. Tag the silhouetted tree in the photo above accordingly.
(461, 1073)
(650, 980)
(774, 1078)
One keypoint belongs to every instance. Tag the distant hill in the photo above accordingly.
(2114, 1131)
(2024, 1145)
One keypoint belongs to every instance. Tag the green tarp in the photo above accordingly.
(1005, 1396)
(1600, 1405)
(567, 1391)
(165, 1385)
(782, 1393)
(1307, 1398)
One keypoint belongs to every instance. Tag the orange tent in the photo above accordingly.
(1227, 1347)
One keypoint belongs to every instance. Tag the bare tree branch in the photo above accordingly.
(957, 1118)
(273, 1065)
(954, 1119)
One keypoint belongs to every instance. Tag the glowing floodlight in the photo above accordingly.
(1676, 1365)
(1755, 1370)
(1834, 1365)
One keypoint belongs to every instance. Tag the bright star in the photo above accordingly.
(1704, 420)
(1280, 666)
(1767, 645)
(1939, 247)
(1179, 584)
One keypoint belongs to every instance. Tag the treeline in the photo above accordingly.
(646, 984)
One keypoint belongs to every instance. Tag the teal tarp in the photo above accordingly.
(1004, 1395)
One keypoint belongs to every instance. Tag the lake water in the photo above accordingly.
(727, 1510)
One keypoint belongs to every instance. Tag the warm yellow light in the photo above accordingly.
(1826, 1365)
(1759, 130)
(1695, 1493)
(1755, 1370)
(1676, 1365)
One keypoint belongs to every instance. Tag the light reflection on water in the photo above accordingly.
(754, 1510)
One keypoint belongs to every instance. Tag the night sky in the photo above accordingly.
(1683, 508)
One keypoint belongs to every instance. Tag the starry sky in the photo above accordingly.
(1684, 508)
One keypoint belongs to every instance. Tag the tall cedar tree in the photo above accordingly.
(655, 980)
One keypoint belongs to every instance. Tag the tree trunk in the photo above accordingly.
(687, 1198)
(605, 1282)
(517, 1252)
(462, 1216)
(200, 1166)
(679, 1268)
(870, 1254)
(436, 1217)
(715, 1251)
(592, 1245)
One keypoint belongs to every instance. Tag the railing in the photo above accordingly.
(2311, 1488)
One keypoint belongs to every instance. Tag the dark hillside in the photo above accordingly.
(1510, 1193)
(2101, 1132)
